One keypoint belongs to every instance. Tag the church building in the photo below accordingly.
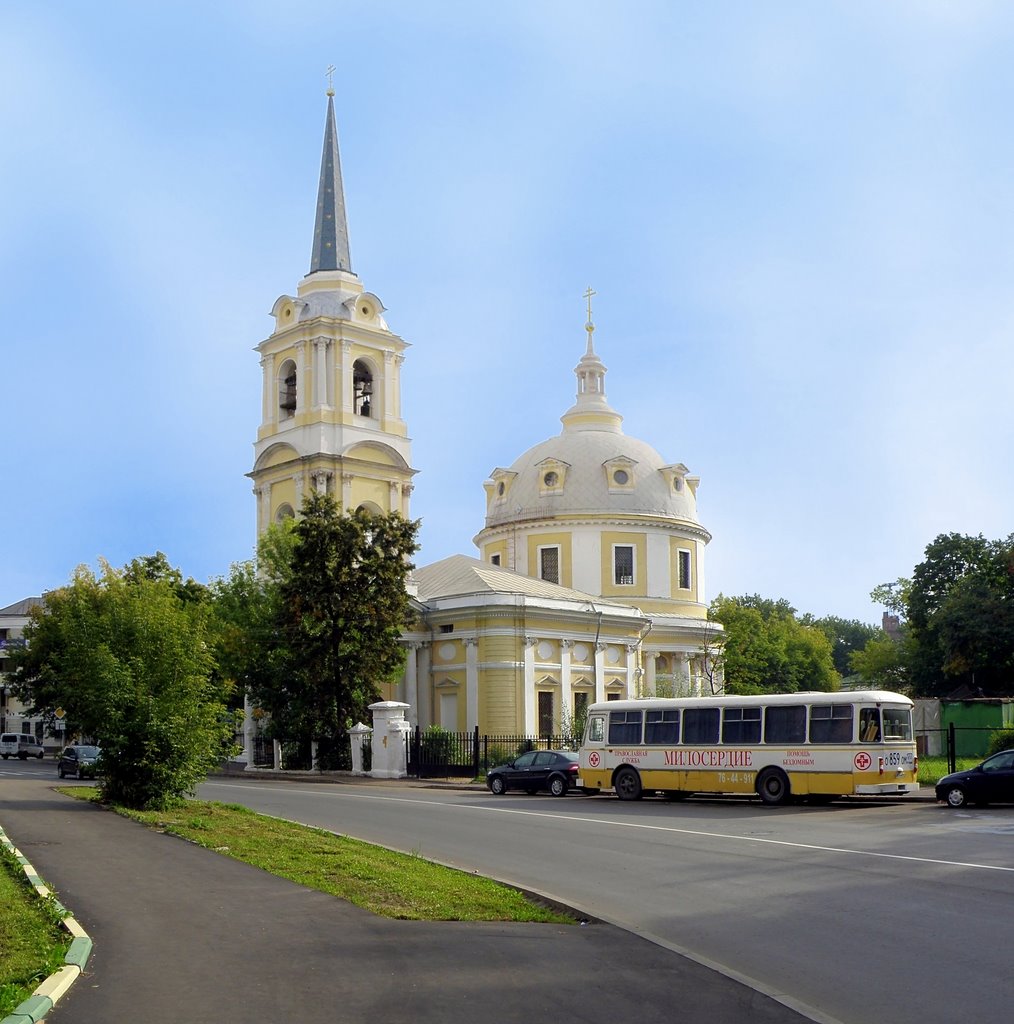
(589, 581)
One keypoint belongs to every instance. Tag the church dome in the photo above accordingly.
(592, 468)
(592, 472)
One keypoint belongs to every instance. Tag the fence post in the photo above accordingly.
(952, 749)
(475, 753)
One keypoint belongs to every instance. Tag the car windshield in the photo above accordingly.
(87, 751)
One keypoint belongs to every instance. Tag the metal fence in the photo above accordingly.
(438, 753)
(956, 742)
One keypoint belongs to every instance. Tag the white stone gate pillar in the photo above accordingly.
(390, 732)
(358, 735)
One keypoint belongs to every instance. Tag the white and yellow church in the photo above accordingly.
(589, 579)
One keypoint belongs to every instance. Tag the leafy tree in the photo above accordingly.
(768, 650)
(126, 657)
(883, 663)
(845, 635)
(959, 607)
(341, 608)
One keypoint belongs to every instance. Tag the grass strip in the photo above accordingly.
(32, 943)
(397, 885)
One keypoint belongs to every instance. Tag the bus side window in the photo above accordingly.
(624, 727)
(831, 723)
(869, 725)
(596, 729)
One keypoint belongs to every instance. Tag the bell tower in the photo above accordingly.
(331, 392)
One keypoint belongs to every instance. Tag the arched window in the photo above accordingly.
(284, 512)
(287, 389)
(362, 389)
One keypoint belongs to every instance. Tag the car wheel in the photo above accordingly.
(39, 754)
(773, 787)
(558, 786)
(627, 784)
(60, 772)
(497, 786)
(956, 797)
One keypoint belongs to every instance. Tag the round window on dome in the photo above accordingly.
(551, 479)
(621, 477)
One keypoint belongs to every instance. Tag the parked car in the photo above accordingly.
(79, 760)
(20, 744)
(990, 782)
(555, 770)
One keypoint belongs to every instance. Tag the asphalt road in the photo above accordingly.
(898, 913)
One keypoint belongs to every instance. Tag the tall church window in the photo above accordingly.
(549, 564)
(623, 565)
(545, 714)
(287, 389)
(362, 389)
(683, 569)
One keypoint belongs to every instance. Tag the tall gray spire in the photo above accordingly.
(330, 230)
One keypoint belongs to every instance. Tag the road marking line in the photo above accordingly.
(639, 825)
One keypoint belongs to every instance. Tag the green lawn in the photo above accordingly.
(391, 884)
(32, 943)
(932, 769)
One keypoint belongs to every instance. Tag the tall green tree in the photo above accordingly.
(768, 650)
(845, 635)
(959, 611)
(341, 610)
(126, 657)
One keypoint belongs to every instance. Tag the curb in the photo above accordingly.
(34, 1009)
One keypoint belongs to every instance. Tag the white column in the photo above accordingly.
(406, 494)
(600, 672)
(394, 497)
(297, 479)
(567, 697)
(302, 397)
(267, 405)
(346, 373)
(276, 753)
(531, 711)
(649, 673)
(681, 674)
(632, 670)
(412, 683)
(387, 413)
(425, 684)
(471, 682)
(319, 378)
(396, 388)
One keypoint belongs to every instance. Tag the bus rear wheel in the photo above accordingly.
(773, 787)
(627, 784)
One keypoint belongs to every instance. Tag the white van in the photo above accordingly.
(20, 744)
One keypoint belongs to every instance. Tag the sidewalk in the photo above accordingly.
(182, 933)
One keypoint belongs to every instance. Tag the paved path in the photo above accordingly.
(184, 934)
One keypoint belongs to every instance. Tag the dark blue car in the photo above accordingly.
(554, 770)
(991, 782)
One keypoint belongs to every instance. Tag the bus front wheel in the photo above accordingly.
(773, 787)
(627, 784)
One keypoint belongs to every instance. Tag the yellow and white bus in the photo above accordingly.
(777, 746)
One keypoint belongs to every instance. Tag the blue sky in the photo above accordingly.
(798, 219)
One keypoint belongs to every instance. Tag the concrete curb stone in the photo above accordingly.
(35, 1008)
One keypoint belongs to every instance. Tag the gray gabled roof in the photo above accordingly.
(461, 575)
(21, 607)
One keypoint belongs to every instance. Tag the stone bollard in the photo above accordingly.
(390, 732)
(358, 735)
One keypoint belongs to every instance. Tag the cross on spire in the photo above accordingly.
(330, 79)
